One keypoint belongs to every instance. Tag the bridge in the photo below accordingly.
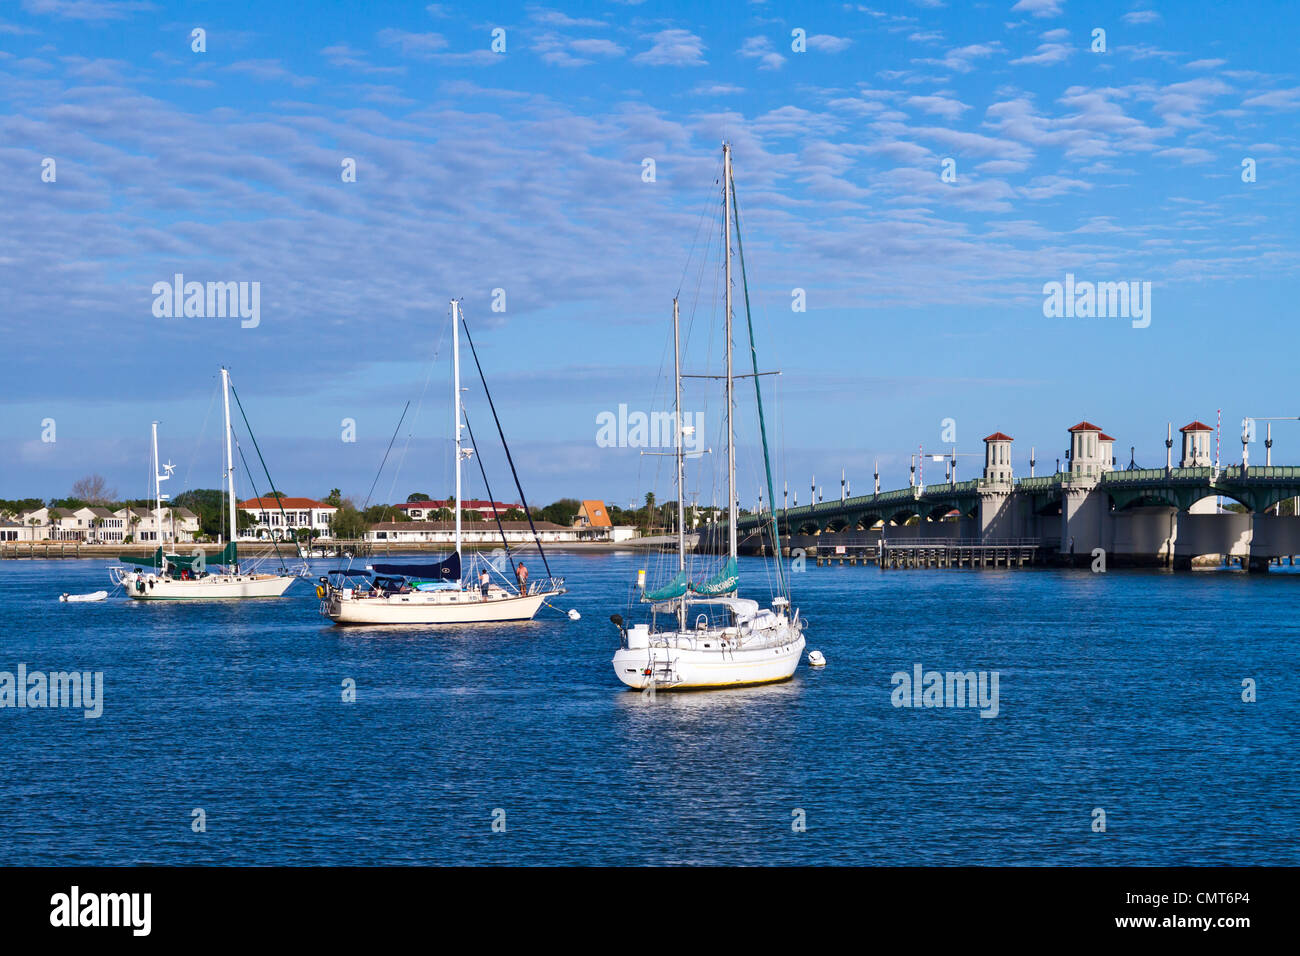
(1153, 516)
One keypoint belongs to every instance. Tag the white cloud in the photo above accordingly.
(88, 10)
(673, 48)
(825, 43)
(1053, 49)
(949, 109)
(960, 59)
(597, 47)
(760, 48)
(1186, 154)
(419, 45)
(269, 71)
(717, 89)
(1288, 99)
(1039, 8)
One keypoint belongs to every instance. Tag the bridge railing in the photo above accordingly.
(961, 542)
(1266, 472)
(1040, 482)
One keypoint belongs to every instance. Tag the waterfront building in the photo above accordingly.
(486, 532)
(432, 510)
(298, 513)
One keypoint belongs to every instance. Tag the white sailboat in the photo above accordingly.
(175, 577)
(712, 637)
(434, 593)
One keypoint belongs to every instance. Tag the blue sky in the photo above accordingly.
(522, 170)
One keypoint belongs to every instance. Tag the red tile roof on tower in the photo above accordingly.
(274, 504)
(1104, 437)
(998, 436)
(1196, 427)
(1085, 426)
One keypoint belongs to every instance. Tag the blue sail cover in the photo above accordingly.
(673, 589)
(446, 570)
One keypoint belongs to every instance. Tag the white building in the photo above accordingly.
(432, 510)
(282, 517)
(96, 525)
(13, 529)
(51, 524)
(144, 526)
(477, 532)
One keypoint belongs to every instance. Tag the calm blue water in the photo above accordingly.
(1120, 691)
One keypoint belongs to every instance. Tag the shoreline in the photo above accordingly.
(72, 551)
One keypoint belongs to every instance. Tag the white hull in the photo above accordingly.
(214, 587)
(435, 607)
(681, 661)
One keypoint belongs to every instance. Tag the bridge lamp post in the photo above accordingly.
(952, 460)
(1247, 434)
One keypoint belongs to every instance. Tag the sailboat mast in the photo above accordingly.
(681, 466)
(157, 487)
(455, 404)
(731, 444)
(230, 457)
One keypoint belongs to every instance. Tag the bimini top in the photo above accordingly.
(743, 608)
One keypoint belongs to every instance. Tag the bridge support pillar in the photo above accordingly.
(1085, 522)
(1258, 564)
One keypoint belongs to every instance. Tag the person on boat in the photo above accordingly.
(521, 575)
(483, 582)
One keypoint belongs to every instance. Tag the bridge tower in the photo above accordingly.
(1085, 511)
(1196, 454)
(1090, 452)
(998, 516)
(997, 459)
(1196, 445)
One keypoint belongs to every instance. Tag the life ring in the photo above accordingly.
(320, 591)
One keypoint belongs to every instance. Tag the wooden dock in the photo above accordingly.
(903, 554)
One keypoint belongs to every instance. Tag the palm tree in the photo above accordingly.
(649, 510)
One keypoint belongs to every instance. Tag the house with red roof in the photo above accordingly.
(432, 510)
(283, 517)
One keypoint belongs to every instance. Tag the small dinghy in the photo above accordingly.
(92, 596)
(816, 659)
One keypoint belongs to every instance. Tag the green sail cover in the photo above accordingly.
(226, 556)
(723, 582)
(673, 589)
